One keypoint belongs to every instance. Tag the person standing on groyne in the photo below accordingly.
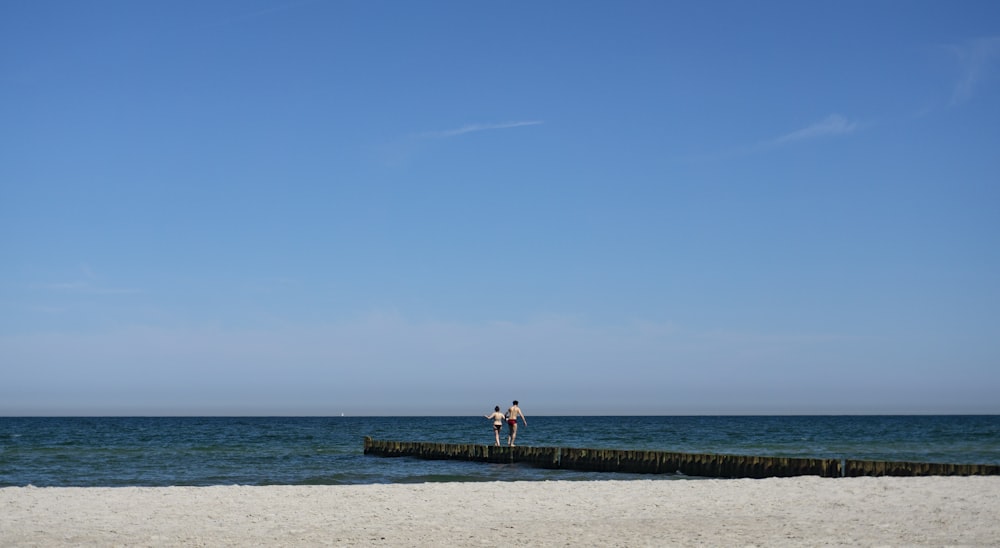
(512, 414)
(498, 418)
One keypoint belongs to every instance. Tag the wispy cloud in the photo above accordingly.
(87, 284)
(267, 11)
(978, 59)
(832, 125)
(84, 287)
(408, 146)
(472, 128)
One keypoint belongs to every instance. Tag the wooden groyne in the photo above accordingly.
(665, 462)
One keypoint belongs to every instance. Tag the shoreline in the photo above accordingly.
(804, 510)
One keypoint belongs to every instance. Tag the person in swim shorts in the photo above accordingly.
(498, 419)
(512, 414)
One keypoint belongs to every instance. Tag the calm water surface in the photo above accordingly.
(156, 451)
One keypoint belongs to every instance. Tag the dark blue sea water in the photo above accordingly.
(158, 451)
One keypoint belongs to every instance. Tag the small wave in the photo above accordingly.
(335, 479)
(441, 478)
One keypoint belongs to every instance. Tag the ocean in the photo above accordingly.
(168, 451)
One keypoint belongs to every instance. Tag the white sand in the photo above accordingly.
(797, 511)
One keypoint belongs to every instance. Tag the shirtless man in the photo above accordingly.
(512, 414)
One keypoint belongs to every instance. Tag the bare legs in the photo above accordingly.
(512, 436)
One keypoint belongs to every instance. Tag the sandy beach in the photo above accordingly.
(790, 511)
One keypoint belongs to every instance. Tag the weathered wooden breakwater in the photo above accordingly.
(664, 462)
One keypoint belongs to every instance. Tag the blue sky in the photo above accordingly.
(403, 208)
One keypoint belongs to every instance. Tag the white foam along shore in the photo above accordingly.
(776, 511)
